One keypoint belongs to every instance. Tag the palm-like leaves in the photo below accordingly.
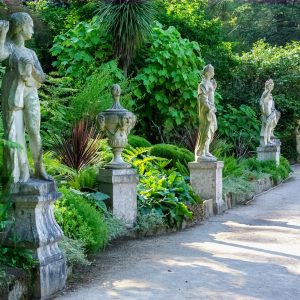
(128, 21)
(81, 148)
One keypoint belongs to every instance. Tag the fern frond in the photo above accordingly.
(130, 153)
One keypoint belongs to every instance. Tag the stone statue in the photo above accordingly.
(207, 115)
(270, 115)
(19, 100)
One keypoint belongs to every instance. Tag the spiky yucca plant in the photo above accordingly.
(128, 22)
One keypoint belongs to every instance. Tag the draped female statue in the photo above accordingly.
(207, 114)
(19, 99)
(270, 115)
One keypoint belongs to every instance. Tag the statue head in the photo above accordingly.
(269, 85)
(116, 90)
(21, 24)
(209, 71)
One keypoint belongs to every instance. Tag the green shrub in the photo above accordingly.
(80, 220)
(168, 82)
(74, 251)
(193, 20)
(166, 193)
(239, 127)
(55, 95)
(56, 17)
(147, 223)
(86, 178)
(282, 64)
(138, 141)
(161, 190)
(95, 95)
(81, 49)
(278, 173)
(173, 153)
(231, 167)
(115, 227)
(237, 185)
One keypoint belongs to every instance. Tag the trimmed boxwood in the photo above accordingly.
(172, 152)
(138, 141)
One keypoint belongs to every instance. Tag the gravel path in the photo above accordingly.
(249, 252)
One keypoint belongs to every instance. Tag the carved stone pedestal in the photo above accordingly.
(120, 185)
(206, 181)
(35, 229)
(271, 152)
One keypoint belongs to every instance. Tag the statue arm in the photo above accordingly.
(202, 94)
(37, 71)
(261, 102)
(214, 83)
(4, 52)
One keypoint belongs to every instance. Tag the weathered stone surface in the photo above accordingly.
(14, 284)
(19, 98)
(206, 181)
(270, 115)
(120, 185)
(297, 132)
(259, 186)
(35, 229)
(271, 152)
(207, 115)
(208, 208)
(117, 122)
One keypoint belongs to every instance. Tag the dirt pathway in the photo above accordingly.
(250, 252)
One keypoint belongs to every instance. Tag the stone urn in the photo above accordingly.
(116, 122)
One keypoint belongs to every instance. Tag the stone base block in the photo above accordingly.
(208, 207)
(206, 181)
(35, 229)
(268, 153)
(298, 147)
(120, 185)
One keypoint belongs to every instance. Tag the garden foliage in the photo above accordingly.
(161, 190)
(136, 141)
(282, 64)
(81, 49)
(173, 153)
(80, 220)
(55, 95)
(239, 127)
(168, 94)
(95, 94)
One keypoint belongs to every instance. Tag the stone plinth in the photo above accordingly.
(206, 181)
(120, 185)
(298, 147)
(270, 152)
(36, 230)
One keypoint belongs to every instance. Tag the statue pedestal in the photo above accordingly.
(35, 229)
(206, 181)
(271, 152)
(298, 147)
(120, 185)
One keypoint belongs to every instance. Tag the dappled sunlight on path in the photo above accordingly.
(250, 252)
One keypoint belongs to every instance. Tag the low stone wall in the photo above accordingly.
(258, 186)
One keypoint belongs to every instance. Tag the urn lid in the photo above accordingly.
(116, 94)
